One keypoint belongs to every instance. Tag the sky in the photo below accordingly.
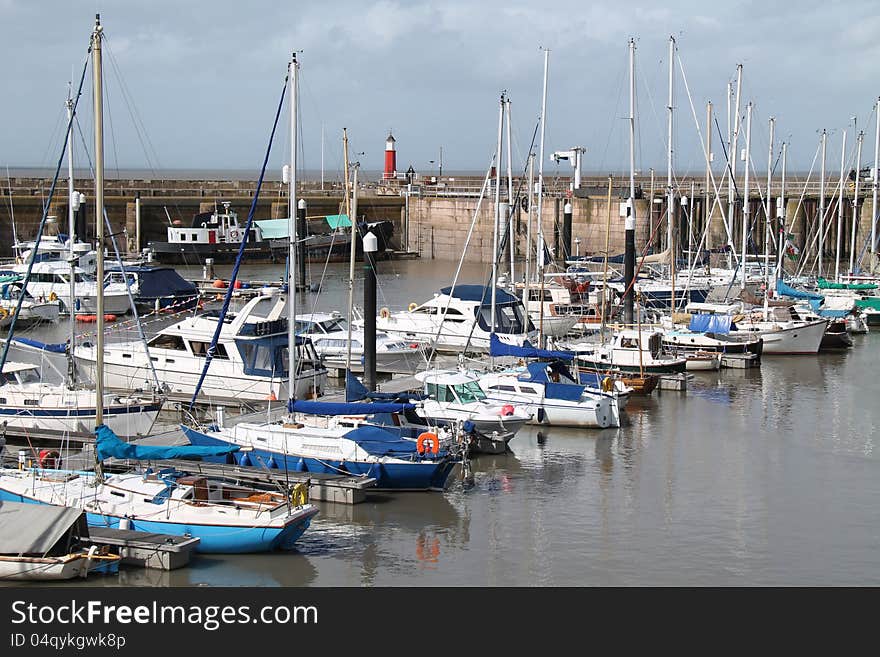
(195, 84)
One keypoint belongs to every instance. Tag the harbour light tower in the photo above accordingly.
(390, 158)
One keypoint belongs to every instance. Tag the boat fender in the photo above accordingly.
(3, 313)
(384, 313)
(424, 438)
(299, 494)
(542, 414)
(607, 384)
(412, 306)
(53, 296)
(218, 283)
(507, 409)
(48, 459)
(87, 318)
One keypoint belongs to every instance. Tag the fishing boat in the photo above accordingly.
(459, 319)
(48, 543)
(249, 360)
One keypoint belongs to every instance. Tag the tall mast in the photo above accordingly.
(767, 207)
(71, 228)
(525, 296)
(670, 195)
(497, 210)
(509, 217)
(821, 248)
(293, 71)
(780, 213)
(874, 183)
(745, 211)
(855, 204)
(97, 83)
(706, 209)
(840, 208)
(629, 265)
(733, 153)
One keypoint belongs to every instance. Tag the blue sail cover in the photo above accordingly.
(56, 348)
(344, 408)
(109, 445)
(499, 348)
(705, 323)
(481, 293)
(379, 442)
(787, 290)
(825, 312)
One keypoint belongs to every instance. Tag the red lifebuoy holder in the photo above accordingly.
(507, 409)
(425, 437)
(48, 459)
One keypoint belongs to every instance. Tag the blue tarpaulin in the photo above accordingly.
(704, 323)
(57, 348)
(356, 391)
(788, 291)
(109, 445)
(343, 408)
(824, 312)
(498, 348)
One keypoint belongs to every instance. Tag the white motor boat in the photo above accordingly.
(629, 351)
(552, 397)
(250, 361)
(781, 333)
(456, 396)
(50, 281)
(460, 320)
(31, 309)
(329, 334)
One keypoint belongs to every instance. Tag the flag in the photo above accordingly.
(791, 249)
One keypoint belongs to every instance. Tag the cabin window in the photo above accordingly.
(453, 315)
(509, 318)
(2, 400)
(31, 402)
(28, 376)
(469, 392)
(440, 392)
(629, 343)
(540, 295)
(165, 341)
(528, 390)
(195, 237)
(200, 349)
(504, 388)
(183, 237)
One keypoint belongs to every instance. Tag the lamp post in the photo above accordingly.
(371, 245)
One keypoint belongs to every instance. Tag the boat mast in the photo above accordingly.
(822, 202)
(874, 184)
(706, 209)
(509, 218)
(780, 213)
(855, 205)
(71, 227)
(497, 213)
(541, 262)
(97, 83)
(525, 296)
(605, 262)
(745, 210)
(840, 208)
(733, 154)
(670, 195)
(767, 210)
(629, 265)
(293, 70)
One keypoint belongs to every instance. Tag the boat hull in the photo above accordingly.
(128, 421)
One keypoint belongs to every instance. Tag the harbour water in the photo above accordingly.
(751, 477)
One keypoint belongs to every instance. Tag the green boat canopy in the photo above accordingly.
(828, 285)
(871, 302)
(337, 220)
(276, 229)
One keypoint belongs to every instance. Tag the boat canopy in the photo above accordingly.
(827, 312)
(499, 348)
(788, 291)
(379, 442)
(108, 445)
(54, 347)
(556, 378)
(871, 302)
(38, 529)
(158, 281)
(356, 391)
(481, 293)
(345, 408)
(828, 285)
(705, 323)
(338, 220)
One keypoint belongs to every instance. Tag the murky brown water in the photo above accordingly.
(765, 477)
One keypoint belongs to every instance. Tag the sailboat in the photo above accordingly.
(336, 438)
(225, 516)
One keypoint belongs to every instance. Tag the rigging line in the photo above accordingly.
(250, 220)
(614, 117)
(21, 297)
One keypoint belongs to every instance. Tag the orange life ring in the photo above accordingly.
(425, 437)
(48, 458)
(384, 313)
(87, 318)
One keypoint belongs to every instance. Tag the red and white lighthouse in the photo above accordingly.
(390, 158)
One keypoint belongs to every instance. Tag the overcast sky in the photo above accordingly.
(204, 78)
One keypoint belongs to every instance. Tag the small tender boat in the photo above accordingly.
(43, 543)
(702, 361)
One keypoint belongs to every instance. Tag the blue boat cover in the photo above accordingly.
(379, 442)
(787, 290)
(705, 323)
(355, 391)
(564, 389)
(825, 312)
(499, 348)
(481, 293)
(109, 445)
(344, 408)
(54, 347)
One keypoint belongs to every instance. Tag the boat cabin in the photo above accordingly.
(451, 386)
(214, 228)
(20, 373)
